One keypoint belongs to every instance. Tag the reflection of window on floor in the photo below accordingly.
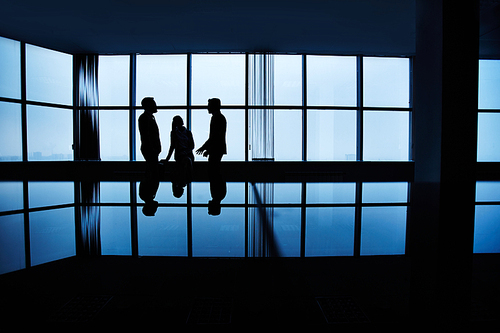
(487, 226)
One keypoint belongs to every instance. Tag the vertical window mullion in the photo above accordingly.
(189, 193)
(359, 126)
(304, 108)
(132, 152)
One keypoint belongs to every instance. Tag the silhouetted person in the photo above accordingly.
(150, 136)
(218, 191)
(150, 148)
(215, 146)
(182, 143)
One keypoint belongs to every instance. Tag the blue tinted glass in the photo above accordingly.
(383, 230)
(11, 148)
(164, 234)
(287, 193)
(487, 229)
(50, 134)
(488, 191)
(43, 194)
(115, 231)
(287, 80)
(49, 76)
(331, 135)
(335, 193)
(12, 256)
(488, 137)
(288, 135)
(114, 192)
(386, 82)
(219, 236)
(286, 227)
(10, 67)
(385, 192)
(11, 196)
(331, 80)
(113, 135)
(162, 77)
(218, 75)
(330, 231)
(52, 235)
(386, 136)
(114, 80)
(489, 84)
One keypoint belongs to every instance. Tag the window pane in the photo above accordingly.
(115, 231)
(164, 122)
(52, 235)
(49, 76)
(43, 194)
(165, 234)
(383, 230)
(12, 256)
(113, 135)
(386, 82)
(287, 80)
(488, 191)
(488, 137)
(221, 76)
(385, 192)
(50, 133)
(114, 80)
(11, 148)
(11, 196)
(10, 67)
(331, 81)
(329, 231)
(487, 229)
(331, 135)
(162, 77)
(219, 236)
(288, 135)
(286, 224)
(331, 193)
(489, 84)
(386, 136)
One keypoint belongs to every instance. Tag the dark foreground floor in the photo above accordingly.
(167, 292)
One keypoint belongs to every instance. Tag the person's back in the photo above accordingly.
(183, 143)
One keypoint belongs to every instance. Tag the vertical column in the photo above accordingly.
(444, 128)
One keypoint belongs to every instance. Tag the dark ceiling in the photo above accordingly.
(371, 27)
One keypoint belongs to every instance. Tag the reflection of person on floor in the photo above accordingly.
(182, 143)
(215, 146)
(218, 191)
(150, 148)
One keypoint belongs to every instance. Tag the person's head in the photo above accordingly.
(177, 122)
(149, 104)
(213, 105)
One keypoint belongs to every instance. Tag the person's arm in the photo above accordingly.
(172, 147)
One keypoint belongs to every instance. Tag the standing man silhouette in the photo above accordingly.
(215, 146)
(150, 149)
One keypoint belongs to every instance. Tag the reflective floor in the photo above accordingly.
(234, 219)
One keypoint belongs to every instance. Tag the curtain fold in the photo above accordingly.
(87, 108)
(87, 149)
